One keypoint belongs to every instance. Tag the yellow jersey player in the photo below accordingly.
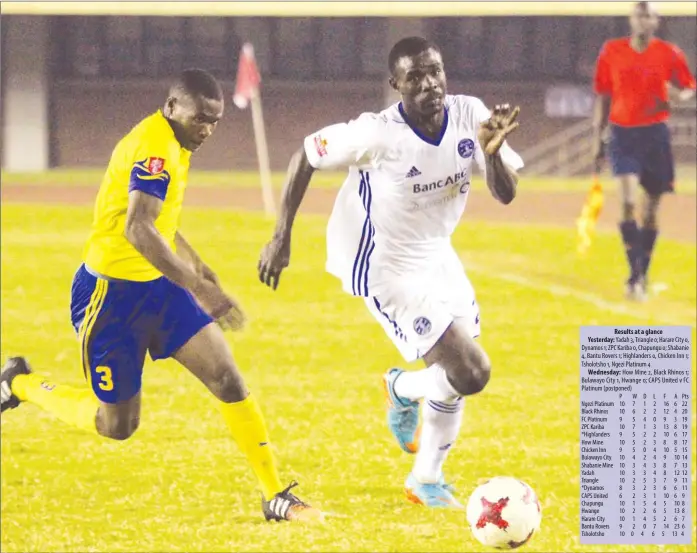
(142, 288)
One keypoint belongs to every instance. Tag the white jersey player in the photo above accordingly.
(389, 242)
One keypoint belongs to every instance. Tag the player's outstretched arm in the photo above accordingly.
(276, 254)
(140, 231)
(297, 180)
(334, 146)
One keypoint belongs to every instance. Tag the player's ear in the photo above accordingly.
(169, 105)
(393, 83)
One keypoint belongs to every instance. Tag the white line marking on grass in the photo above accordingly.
(564, 291)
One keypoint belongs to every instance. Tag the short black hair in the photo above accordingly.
(198, 82)
(407, 47)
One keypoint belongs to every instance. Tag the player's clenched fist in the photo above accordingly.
(274, 258)
(493, 132)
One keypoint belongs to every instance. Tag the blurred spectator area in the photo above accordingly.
(105, 73)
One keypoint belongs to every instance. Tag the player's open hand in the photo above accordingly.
(493, 132)
(274, 258)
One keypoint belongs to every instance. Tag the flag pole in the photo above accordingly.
(262, 155)
(247, 91)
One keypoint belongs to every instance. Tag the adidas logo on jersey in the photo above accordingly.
(413, 172)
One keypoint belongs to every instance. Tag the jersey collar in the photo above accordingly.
(432, 141)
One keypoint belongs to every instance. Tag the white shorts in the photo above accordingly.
(417, 309)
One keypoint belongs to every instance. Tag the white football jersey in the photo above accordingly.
(404, 194)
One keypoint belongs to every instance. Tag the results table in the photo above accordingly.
(636, 446)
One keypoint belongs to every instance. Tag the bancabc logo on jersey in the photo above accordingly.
(465, 147)
(422, 326)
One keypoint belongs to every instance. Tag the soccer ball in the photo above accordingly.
(503, 512)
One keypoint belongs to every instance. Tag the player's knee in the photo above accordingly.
(120, 428)
(472, 374)
(627, 211)
(480, 374)
(228, 385)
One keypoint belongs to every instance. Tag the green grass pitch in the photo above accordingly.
(314, 357)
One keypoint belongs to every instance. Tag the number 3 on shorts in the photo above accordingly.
(105, 383)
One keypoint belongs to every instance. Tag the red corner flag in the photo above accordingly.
(248, 78)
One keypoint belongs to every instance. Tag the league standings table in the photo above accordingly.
(636, 414)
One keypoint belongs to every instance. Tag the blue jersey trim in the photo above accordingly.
(397, 330)
(417, 132)
(366, 245)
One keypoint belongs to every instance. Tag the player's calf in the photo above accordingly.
(628, 211)
(650, 214)
(77, 407)
(640, 244)
(631, 234)
(649, 233)
(631, 238)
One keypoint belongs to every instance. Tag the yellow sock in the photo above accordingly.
(74, 406)
(246, 423)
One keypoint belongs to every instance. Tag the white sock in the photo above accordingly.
(431, 382)
(439, 430)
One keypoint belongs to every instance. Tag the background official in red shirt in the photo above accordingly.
(636, 79)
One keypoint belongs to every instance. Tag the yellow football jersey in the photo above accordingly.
(150, 159)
